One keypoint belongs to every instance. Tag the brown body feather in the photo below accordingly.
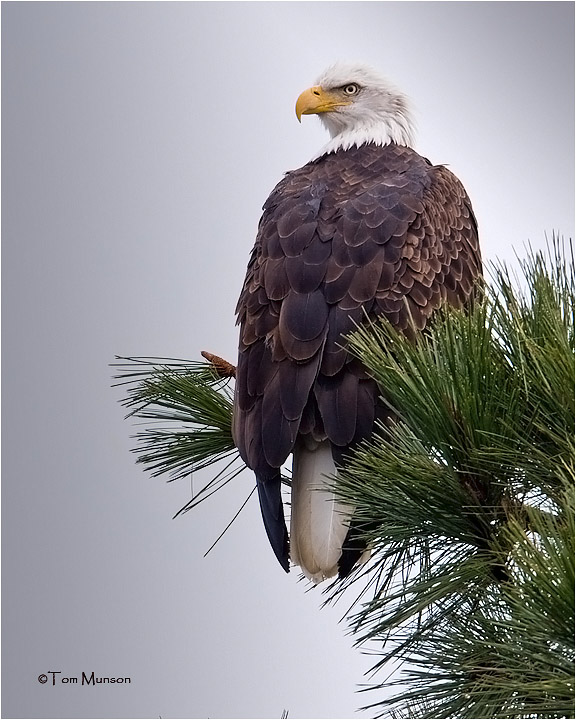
(364, 232)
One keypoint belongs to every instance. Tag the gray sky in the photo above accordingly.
(140, 141)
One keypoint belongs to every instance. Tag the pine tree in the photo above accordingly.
(467, 499)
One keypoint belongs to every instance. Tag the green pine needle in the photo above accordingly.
(187, 408)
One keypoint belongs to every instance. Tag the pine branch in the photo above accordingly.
(468, 503)
(187, 407)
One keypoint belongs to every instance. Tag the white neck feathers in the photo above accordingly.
(392, 130)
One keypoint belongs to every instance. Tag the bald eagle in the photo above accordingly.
(367, 228)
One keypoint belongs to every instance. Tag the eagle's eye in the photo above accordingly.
(350, 89)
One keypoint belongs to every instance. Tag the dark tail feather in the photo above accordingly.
(273, 516)
(352, 550)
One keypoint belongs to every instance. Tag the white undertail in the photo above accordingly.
(319, 521)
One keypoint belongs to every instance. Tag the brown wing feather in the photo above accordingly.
(364, 232)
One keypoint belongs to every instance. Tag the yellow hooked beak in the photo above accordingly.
(316, 100)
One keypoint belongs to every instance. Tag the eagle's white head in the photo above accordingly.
(357, 106)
